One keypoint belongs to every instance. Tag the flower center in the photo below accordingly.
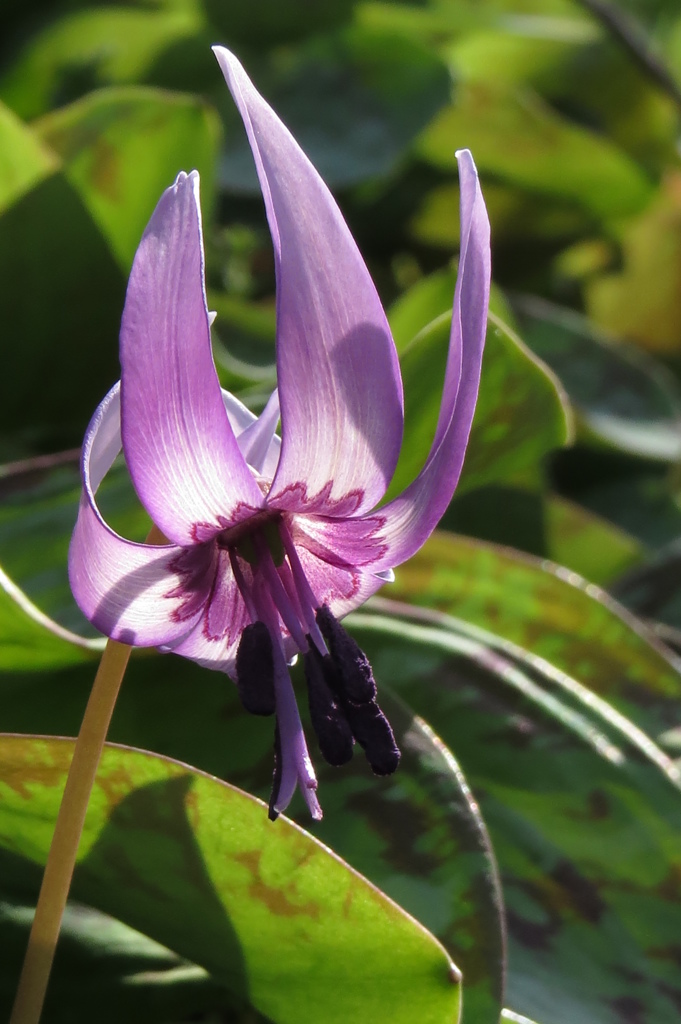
(286, 618)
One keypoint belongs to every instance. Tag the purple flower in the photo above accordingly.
(271, 542)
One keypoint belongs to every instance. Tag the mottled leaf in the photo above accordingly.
(196, 865)
(546, 525)
(554, 614)
(588, 544)
(587, 834)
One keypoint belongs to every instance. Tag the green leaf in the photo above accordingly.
(270, 22)
(354, 101)
(23, 160)
(588, 544)
(639, 299)
(37, 517)
(429, 298)
(417, 835)
(243, 342)
(60, 305)
(625, 398)
(520, 416)
(554, 614)
(420, 837)
(105, 969)
(511, 1017)
(29, 639)
(653, 591)
(638, 496)
(91, 48)
(546, 525)
(517, 137)
(587, 834)
(196, 865)
(121, 147)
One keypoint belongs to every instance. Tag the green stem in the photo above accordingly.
(61, 859)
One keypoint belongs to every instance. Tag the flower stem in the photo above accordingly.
(61, 859)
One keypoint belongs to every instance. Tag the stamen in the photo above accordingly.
(278, 593)
(240, 581)
(272, 813)
(372, 731)
(296, 766)
(328, 721)
(352, 663)
(306, 599)
(255, 670)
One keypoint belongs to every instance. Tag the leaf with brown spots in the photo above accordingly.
(585, 829)
(272, 914)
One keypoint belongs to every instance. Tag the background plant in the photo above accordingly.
(503, 636)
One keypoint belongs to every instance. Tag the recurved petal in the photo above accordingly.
(338, 374)
(179, 445)
(136, 593)
(411, 517)
(214, 639)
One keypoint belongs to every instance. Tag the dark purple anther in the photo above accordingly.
(357, 679)
(255, 670)
(372, 731)
(328, 720)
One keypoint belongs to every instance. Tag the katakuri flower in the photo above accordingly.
(272, 540)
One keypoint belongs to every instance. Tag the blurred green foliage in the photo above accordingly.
(554, 886)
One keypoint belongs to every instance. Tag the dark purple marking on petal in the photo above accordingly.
(255, 670)
(351, 544)
(190, 567)
(203, 533)
(226, 613)
(243, 519)
(294, 498)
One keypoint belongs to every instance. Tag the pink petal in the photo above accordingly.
(411, 517)
(342, 587)
(180, 448)
(338, 374)
(259, 443)
(136, 593)
(214, 640)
